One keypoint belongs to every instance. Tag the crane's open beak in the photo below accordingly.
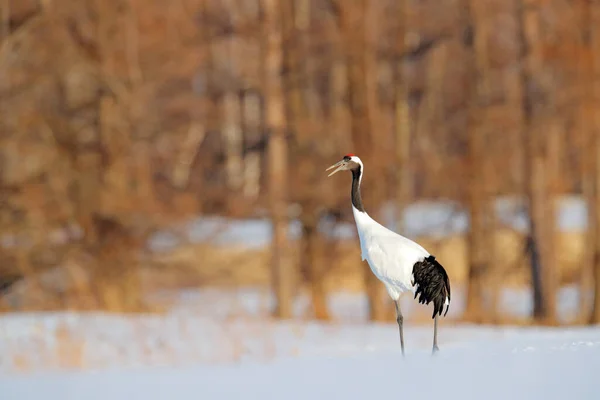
(340, 167)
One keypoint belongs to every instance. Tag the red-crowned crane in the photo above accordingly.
(401, 264)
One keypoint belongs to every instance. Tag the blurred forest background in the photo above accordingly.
(153, 145)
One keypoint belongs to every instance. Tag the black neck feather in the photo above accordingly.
(356, 199)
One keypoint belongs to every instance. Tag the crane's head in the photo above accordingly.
(348, 163)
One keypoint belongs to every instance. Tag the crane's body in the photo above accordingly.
(390, 256)
(401, 264)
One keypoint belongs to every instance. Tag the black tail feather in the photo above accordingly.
(432, 284)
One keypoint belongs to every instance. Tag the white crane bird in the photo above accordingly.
(401, 264)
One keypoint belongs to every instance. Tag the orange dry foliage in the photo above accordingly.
(121, 118)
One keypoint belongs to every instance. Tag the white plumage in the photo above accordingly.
(401, 264)
(390, 256)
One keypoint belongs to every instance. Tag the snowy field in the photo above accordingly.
(213, 345)
(314, 361)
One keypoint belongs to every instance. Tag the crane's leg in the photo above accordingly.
(435, 346)
(400, 320)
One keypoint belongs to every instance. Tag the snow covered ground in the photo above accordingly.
(330, 362)
(218, 345)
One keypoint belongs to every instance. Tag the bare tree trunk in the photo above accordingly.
(116, 278)
(595, 225)
(478, 260)
(304, 117)
(551, 274)
(540, 122)
(275, 118)
(295, 77)
(312, 259)
(252, 116)
(591, 91)
(483, 110)
(542, 219)
(402, 123)
(588, 152)
(353, 15)
(232, 130)
(382, 308)
(340, 118)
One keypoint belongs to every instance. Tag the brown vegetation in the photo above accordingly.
(120, 119)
